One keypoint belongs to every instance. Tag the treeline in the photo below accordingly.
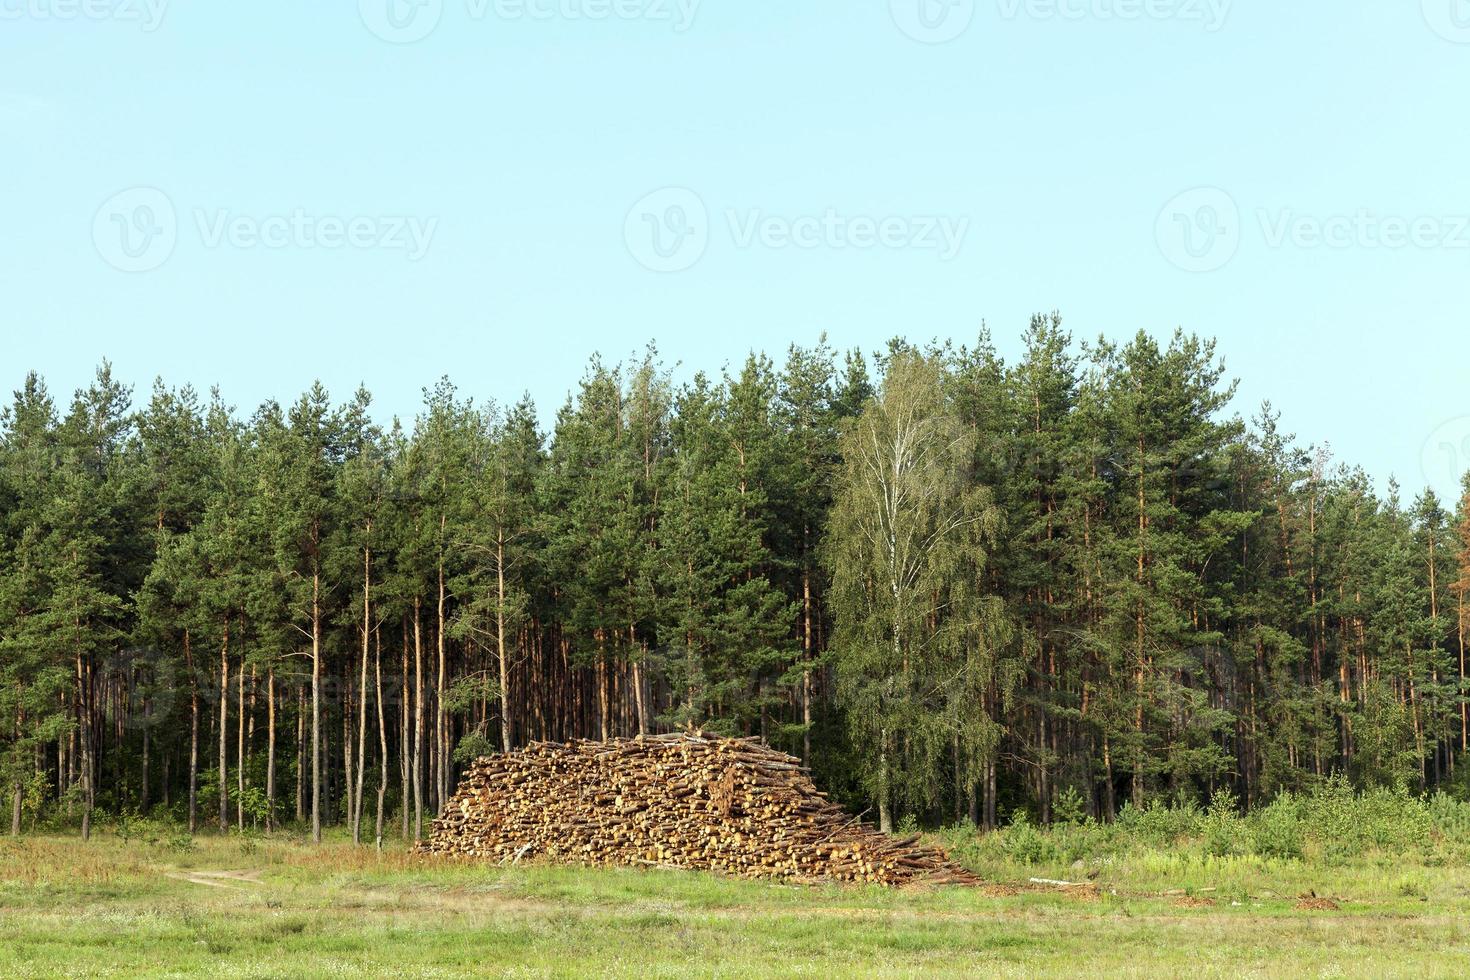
(958, 587)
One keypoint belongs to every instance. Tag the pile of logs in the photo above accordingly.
(688, 800)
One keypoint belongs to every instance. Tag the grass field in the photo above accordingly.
(276, 908)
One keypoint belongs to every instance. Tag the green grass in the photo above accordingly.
(149, 907)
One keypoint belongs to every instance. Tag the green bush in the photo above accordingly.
(1276, 830)
(1023, 842)
(1331, 822)
(1069, 807)
(1160, 825)
(1222, 829)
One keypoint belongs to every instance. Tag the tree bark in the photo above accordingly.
(240, 749)
(301, 765)
(362, 689)
(316, 708)
(505, 732)
(147, 721)
(418, 723)
(404, 696)
(806, 649)
(441, 715)
(382, 735)
(270, 749)
(193, 736)
(224, 730)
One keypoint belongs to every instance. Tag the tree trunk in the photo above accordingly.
(240, 749)
(441, 714)
(885, 813)
(1464, 706)
(87, 763)
(404, 696)
(382, 735)
(224, 730)
(505, 732)
(301, 765)
(316, 708)
(362, 690)
(147, 721)
(806, 652)
(193, 736)
(270, 749)
(418, 723)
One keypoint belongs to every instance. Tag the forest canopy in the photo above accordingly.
(959, 588)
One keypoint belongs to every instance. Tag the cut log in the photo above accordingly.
(687, 800)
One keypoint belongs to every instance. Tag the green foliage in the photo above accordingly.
(917, 634)
(472, 747)
(1222, 831)
(1277, 830)
(1069, 807)
(1024, 842)
(1330, 825)
(1068, 586)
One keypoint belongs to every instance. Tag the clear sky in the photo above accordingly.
(260, 194)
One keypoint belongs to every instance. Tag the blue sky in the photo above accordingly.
(262, 194)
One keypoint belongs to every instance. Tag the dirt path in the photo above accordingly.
(218, 879)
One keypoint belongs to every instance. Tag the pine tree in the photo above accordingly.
(33, 676)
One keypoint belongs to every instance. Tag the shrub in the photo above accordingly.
(1222, 829)
(1069, 807)
(1276, 829)
(1160, 825)
(1023, 842)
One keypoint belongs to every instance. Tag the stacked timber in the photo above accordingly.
(688, 800)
